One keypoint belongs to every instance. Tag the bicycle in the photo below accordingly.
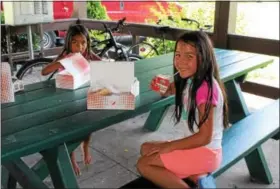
(146, 49)
(111, 49)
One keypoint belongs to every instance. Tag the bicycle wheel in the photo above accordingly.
(134, 57)
(143, 49)
(30, 72)
(108, 54)
(111, 54)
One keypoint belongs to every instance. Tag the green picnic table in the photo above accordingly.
(53, 122)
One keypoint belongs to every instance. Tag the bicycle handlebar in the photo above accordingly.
(115, 29)
(190, 21)
(169, 18)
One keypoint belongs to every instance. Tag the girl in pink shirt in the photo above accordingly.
(77, 41)
(200, 102)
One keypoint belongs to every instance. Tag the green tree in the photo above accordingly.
(95, 10)
(204, 13)
(2, 18)
(163, 18)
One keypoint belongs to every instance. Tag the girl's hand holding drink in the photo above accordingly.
(163, 84)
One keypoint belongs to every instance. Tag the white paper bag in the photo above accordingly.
(7, 87)
(76, 72)
(112, 86)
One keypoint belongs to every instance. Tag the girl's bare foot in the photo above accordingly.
(76, 168)
(87, 155)
(86, 152)
(75, 165)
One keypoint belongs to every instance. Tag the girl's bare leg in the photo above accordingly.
(86, 152)
(145, 147)
(152, 168)
(74, 164)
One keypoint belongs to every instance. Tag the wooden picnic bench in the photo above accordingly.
(242, 140)
(53, 121)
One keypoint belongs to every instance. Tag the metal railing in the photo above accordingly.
(135, 29)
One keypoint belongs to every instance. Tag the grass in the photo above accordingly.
(268, 75)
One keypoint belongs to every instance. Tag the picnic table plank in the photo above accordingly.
(35, 138)
(37, 88)
(66, 101)
(145, 65)
(46, 115)
(52, 100)
(144, 86)
(243, 67)
(44, 89)
(263, 129)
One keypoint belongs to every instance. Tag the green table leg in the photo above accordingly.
(7, 180)
(12, 182)
(60, 168)
(41, 168)
(258, 167)
(155, 118)
(236, 103)
(277, 136)
(238, 110)
(241, 79)
(23, 175)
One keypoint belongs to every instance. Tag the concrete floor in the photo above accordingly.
(115, 152)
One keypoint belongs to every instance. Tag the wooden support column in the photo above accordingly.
(221, 24)
(79, 9)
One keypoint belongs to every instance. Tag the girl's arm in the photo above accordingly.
(201, 138)
(50, 68)
(95, 57)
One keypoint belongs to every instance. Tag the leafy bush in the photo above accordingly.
(203, 13)
(19, 42)
(2, 18)
(96, 11)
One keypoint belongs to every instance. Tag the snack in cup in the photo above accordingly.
(105, 92)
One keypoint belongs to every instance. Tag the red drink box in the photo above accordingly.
(162, 83)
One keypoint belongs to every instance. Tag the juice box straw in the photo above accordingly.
(172, 78)
(176, 73)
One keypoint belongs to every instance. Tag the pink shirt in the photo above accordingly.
(217, 101)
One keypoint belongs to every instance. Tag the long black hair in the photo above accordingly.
(73, 30)
(207, 69)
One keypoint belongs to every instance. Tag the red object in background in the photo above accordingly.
(62, 9)
(134, 11)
